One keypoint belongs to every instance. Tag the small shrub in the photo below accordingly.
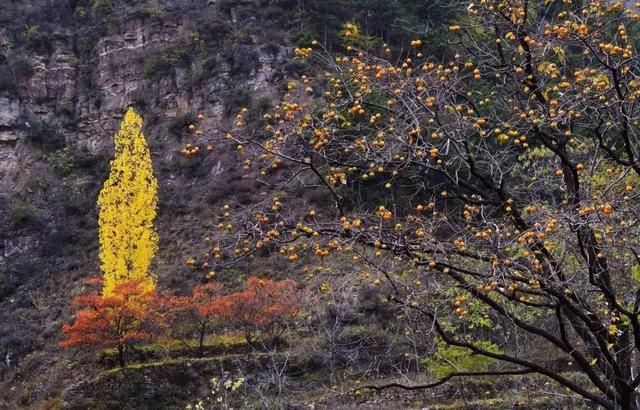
(94, 164)
(304, 38)
(222, 392)
(194, 167)
(259, 107)
(264, 310)
(4, 285)
(449, 359)
(80, 12)
(236, 99)
(30, 33)
(205, 69)
(35, 39)
(272, 48)
(62, 161)
(243, 60)
(214, 29)
(164, 63)
(233, 278)
(157, 67)
(21, 68)
(152, 12)
(41, 134)
(8, 82)
(102, 9)
(181, 123)
(141, 98)
(21, 213)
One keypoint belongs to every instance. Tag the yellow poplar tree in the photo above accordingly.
(127, 203)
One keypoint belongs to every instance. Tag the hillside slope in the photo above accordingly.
(68, 71)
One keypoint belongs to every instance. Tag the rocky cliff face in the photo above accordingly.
(69, 69)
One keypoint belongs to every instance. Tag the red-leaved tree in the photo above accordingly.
(200, 310)
(116, 321)
(264, 310)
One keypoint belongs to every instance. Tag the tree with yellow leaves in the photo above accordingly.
(127, 202)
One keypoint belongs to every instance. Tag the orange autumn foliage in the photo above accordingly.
(201, 309)
(264, 309)
(116, 321)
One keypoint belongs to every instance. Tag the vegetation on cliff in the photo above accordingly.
(433, 205)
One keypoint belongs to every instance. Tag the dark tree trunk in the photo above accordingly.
(121, 356)
(201, 344)
(628, 401)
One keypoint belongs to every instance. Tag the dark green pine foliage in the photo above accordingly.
(396, 22)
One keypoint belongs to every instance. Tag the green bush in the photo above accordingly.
(41, 134)
(62, 161)
(102, 9)
(36, 39)
(450, 359)
(164, 63)
(22, 213)
(397, 22)
(96, 165)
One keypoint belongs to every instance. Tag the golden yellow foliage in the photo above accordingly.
(127, 202)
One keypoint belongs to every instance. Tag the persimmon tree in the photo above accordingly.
(127, 209)
(202, 309)
(264, 309)
(502, 181)
(121, 319)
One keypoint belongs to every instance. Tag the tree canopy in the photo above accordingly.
(495, 190)
(116, 321)
(127, 205)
